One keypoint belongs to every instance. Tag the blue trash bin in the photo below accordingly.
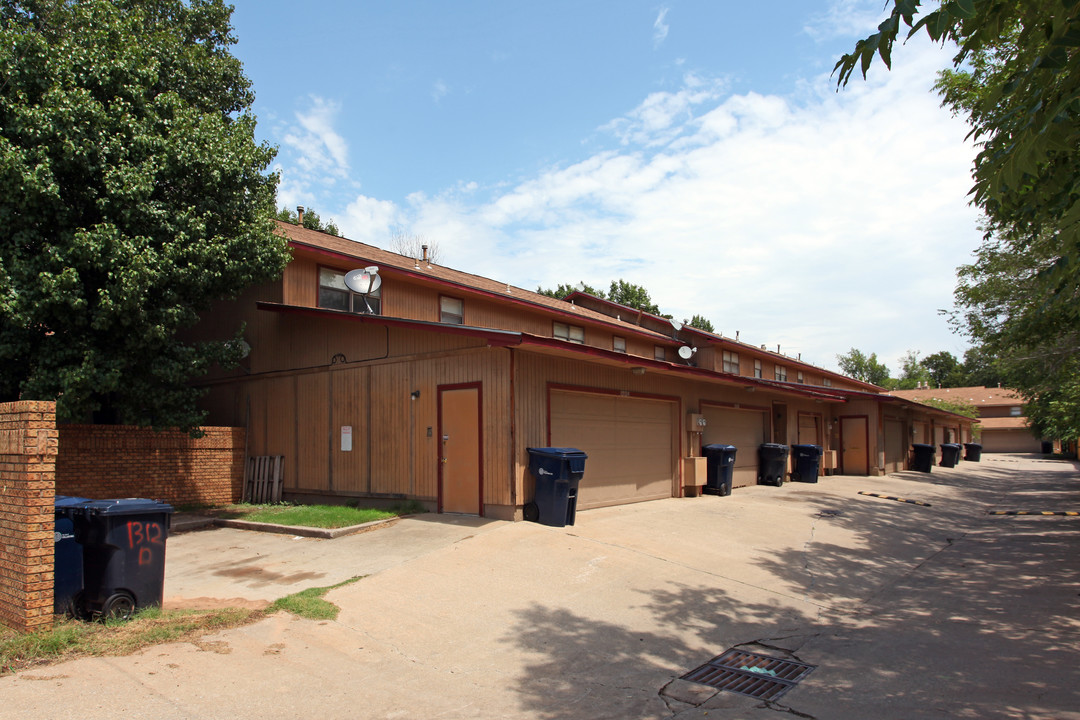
(973, 452)
(67, 555)
(123, 555)
(558, 472)
(772, 464)
(721, 466)
(924, 456)
(950, 454)
(807, 462)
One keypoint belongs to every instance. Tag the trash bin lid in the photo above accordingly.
(69, 501)
(718, 447)
(557, 452)
(127, 506)
(807, 448)
(922, 445)
(773, 446)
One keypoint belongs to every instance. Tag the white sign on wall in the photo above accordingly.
(346, 438)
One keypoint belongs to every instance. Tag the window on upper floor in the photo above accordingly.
(827, 382)
(1015, 411)
(800, 377)
(731, 362)
(757, 368)
(335, 295)
(451, 310)
(570, 333)
(659, 352)
(780, 373)
(618, 344)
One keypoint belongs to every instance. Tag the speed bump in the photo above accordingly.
(897, 499)
(1069, 513)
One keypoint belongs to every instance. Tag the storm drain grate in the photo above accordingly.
(746, 673)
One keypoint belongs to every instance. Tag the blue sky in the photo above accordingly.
(695, 147)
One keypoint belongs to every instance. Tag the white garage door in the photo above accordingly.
(743, 428)
(628, 441)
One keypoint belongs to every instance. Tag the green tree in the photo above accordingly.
(912, 372)
(701, 323)
(564, 290)
(133, 195)
(944, 369)
(312, 221)
(980, 368)
(631, 295)
(867, 368)
(1016, 77)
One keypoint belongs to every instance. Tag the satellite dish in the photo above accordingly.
(677, 325)
(365, 281)
(686, 352)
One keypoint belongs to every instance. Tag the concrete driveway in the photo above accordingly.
(905, 610)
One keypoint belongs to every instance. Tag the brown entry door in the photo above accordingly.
(855, 460)
(459, 451)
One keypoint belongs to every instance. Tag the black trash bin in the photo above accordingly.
(721, 465)
(123, 555)
(807, 462)
(924, 456)
(772, 464)
(67, 555)
(973, 452)
(558, 471)
(950, 454)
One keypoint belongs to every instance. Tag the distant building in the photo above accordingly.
(1001, 415)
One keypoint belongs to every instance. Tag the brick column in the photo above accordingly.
(28, 446)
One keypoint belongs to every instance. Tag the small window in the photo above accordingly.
(335, 295)
(827, 382)
(757, 368)
(800, 377)
(780, 373)
(731, 362)
(659, 352)
(618, 344)
(451, 311)
(570, 333)
(1015, 411)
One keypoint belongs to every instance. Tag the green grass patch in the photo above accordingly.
(70, 639)
(310, 603)
(319, 516)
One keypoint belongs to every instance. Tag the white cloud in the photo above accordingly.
(319, 148)
(831, 222)
(660, 28)
(369, 220)
(439, 90)
(846, 19)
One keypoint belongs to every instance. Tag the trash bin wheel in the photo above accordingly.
(531, 512)
(724, 490)
(778, 481)
(118, 606)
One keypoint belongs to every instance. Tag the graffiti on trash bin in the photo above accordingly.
(143, 536)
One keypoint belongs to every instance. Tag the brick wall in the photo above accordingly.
(111, 461)
(28, 448)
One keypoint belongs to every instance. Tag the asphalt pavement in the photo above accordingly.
(928, 609)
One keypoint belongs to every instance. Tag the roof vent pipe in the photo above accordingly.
(300, 215)
(424, 248)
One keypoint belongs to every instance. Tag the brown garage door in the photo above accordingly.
(743, 428)
(628, 441)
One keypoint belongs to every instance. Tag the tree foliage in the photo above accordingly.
(867, 368)
(620, 291)
(132, 194)
(1016, 78)
(701, 323)
(312, 221)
